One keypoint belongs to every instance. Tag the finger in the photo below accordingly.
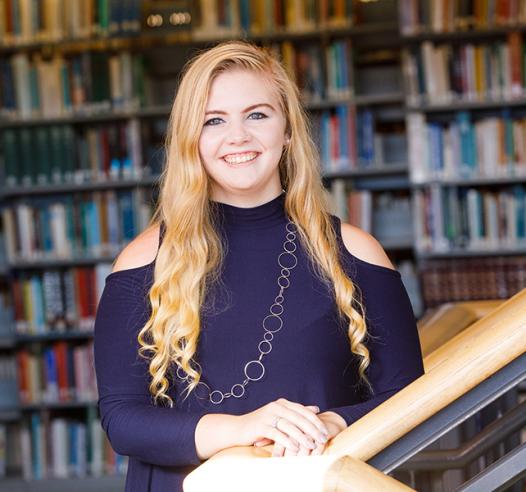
(303, 425)
(310, 423)
(318, 451)
(292, 430)
(278, 450)
(282, 438)
(304, 451)
(263, 442)
(313, 408)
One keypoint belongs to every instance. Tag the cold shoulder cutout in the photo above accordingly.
(139, 270)
(353, 260)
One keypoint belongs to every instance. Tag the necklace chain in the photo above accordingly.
(254, 369)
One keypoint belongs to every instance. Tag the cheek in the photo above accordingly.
(209, 145)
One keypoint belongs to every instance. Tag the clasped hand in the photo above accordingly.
(295, 429)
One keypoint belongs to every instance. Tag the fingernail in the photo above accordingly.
(322, 439)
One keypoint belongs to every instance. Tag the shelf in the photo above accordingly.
(396, 244)
(463, 253)
(23, 191)
(84, 484)
(150, 39)
(52, 336)
(426, 34)
(60, 262)
(379, 99)
(11, 341)
(377, 170)
(479, 181)
(57, 405)
(7, 341)
(9, 415)
(84, 117)
(460, 105)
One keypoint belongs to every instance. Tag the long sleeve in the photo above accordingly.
(134, 426)
(394, 346)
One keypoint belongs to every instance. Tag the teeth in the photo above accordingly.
(238, 159)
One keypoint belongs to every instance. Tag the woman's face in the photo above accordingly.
(242, 139)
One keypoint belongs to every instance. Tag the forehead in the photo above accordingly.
(238, 88)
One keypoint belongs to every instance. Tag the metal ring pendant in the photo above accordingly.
(276, 310)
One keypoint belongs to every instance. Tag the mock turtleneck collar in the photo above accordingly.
(264, 215)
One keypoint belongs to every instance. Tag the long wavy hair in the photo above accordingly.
(191, 254)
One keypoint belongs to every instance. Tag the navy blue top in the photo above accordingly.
(311, 362)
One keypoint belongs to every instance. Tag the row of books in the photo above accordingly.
(58, 300)
(348, 139)
(86, 83)
(217, 18)
(58, 154)
(471, 219)
(27, 21)
(447, 73)
(465, 147)
(6, 313)
(316, 79)
(386, 215)
(461, 279)
(8, 382)
(59, 372)
(426, 15)
(92, 82)
(67, 448)
(74, 225)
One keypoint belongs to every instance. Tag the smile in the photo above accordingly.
(240, 158)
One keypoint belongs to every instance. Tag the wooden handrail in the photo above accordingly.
(448, 320)
(473, 354)
(453, 369)
(235, 472)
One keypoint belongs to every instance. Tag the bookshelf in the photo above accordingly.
(67, 213)
(465, 101)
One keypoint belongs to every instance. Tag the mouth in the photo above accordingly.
(240, 160)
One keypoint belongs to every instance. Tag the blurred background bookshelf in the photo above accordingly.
(417, 108)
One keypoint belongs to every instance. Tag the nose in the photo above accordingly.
(237, 134)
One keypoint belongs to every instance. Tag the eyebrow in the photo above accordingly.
(218, 111)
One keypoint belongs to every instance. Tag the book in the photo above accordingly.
(444, 73)
(466, 147)
(57, 301)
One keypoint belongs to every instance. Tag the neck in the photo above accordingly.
(247, 200)
(264, 215)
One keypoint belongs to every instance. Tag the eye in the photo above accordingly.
(260, 115)
(209, 122)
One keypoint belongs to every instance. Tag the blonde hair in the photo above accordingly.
(191, 254)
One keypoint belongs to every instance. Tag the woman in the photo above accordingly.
(246, 314)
